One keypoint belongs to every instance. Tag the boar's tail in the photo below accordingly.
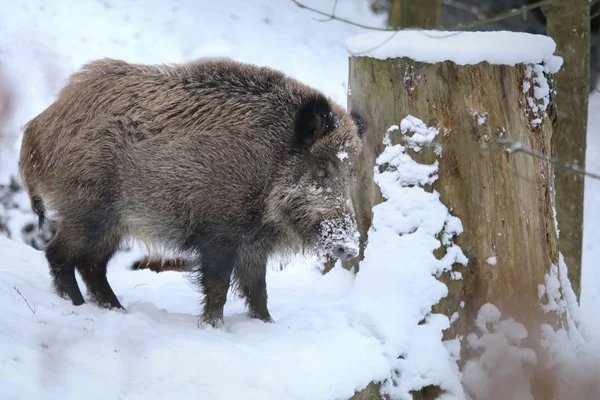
(158, 265)
(28, 173)
(37, 204)
(38, 208)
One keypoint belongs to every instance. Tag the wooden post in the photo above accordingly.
(503, 198)
(568, 22)
(425, 14)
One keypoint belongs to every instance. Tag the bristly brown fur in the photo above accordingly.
(219, 161)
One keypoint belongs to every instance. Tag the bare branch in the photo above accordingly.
(502, 16)
(336, 18)
(332, 13)
(26, 302)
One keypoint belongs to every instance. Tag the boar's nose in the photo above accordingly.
(344, 252)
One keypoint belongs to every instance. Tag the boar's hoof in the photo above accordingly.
(344, 252)
(76, 301)
(109, 305)
(213, 322)
(263, 317)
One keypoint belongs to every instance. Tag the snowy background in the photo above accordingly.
(334, 333)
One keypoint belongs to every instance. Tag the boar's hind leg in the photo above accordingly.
(100, 244)
(93, 272)
(88, 235)
(62, 268)
(250, 276)
(216, 266)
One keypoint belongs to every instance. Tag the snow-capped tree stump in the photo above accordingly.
(490, 100)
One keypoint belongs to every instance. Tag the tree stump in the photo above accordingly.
(495, 120)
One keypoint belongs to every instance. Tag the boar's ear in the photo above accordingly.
(313, 121)
(360, 123)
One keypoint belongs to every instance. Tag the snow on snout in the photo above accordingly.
(339, 233)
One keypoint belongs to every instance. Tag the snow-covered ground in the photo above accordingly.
(590, 291)
(155, 350)
(333, 334)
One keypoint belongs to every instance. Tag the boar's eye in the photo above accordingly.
(322, 169)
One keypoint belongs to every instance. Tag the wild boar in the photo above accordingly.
(222, 162)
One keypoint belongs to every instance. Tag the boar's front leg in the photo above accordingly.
(217, 262)
(250, 277)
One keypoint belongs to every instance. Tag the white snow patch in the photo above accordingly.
(560, 295)
(456, 275)
(461, 48)
(399, 269)
(454, 317)
(480, 116)
(342, 155)
(538, 99)
(492, 260)
(420, 134)
(502, 358)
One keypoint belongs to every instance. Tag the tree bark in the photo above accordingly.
(371, 392)
(504, 200)
(568, 23)
(426, 14)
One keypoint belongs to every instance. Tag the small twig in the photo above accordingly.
(26, 302)
(375, 47)
(336, 18)
(140, 284)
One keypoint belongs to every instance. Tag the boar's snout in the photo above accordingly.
(339, 237)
